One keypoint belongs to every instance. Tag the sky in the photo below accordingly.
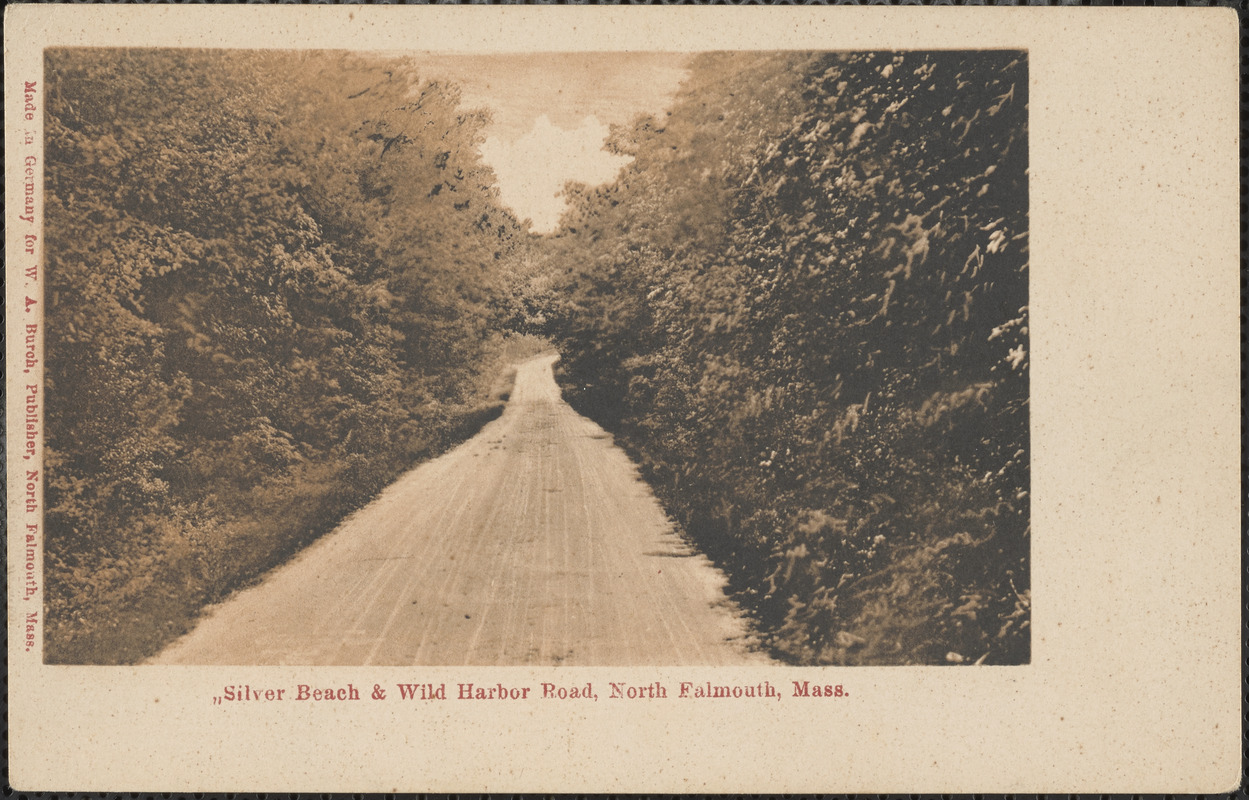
(551, 113)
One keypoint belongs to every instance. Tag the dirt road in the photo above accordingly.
(533, 543)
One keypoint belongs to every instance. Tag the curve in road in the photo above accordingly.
(535, 542)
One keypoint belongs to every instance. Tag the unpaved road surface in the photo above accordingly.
(535, 542)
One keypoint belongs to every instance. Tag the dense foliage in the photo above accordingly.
(278, 279)
(803, 308)
(273, 283)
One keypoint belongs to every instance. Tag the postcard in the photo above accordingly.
(670, 399)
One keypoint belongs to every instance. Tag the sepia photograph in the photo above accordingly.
(557, 358)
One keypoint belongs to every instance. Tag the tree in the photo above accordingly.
(272, 280)
(803, 307)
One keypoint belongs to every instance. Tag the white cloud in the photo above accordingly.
(533, 168)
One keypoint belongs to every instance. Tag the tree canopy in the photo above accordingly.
(264, 267)
(277, 279)
(804, 307)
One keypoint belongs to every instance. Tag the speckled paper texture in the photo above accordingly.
(1134, 681)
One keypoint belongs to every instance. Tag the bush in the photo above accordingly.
(261, 308)
(804, 312)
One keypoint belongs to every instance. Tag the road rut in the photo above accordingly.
(535, 542)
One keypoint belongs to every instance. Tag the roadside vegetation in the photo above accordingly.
(803, 309)
(278, 280)
(275, 282)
